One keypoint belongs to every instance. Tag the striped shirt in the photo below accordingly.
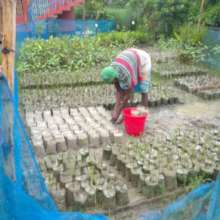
(128, 65)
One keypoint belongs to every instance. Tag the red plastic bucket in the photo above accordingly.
(134, 124)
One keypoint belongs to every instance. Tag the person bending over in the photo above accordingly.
(130, 72)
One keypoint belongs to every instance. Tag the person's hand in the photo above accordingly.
(113, 120)
(120, 119)
(115, 114)
(118, 106)
(122, 98)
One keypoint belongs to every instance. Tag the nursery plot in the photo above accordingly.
(86, 76)
(206, 86)
(176, 69)
(162, 56)
(83, 181)
(60, 78)
(44, 99)
(94, 179)
(60, 130)
(209, 94)
(158, 164)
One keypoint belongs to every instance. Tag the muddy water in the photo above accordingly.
(206, 110)
(192, 109)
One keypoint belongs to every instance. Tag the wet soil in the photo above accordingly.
(193, 109)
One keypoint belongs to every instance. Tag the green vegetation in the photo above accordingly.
(177, 24)
(92, 9)
(196, 181)
(161, 17)
(212, 16)
(72, 53)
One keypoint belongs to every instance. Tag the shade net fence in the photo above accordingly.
(58, 28)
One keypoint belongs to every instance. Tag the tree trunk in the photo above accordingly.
(97, 15)
(84, 11)
(201, 12)
(1, 23)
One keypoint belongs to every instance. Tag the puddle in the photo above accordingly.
(167, 118)
(200, 109)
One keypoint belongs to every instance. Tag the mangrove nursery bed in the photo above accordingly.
(44, 99)
(209, 94)
(84, 76)
(65, 129)
(60, 78)
(79, 180)
(177, 69)
(206, 86)
(154, 165)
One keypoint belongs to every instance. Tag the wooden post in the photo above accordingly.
(1, 31)
(9, 36)
(1, 23)
(202, 5)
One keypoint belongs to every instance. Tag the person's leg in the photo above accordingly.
(143, 88)
(145, 84)
(144, 99)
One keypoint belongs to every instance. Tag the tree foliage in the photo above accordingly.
(162, 16)
(212, 14)
(91, 9)
(157, 16)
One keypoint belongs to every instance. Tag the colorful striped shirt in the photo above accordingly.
(128, 64)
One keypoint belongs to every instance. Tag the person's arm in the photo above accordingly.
(122, 97)
(123, 91)
(117, 108)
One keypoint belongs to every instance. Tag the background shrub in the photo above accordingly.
(73, 53)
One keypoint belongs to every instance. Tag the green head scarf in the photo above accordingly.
(108, 74)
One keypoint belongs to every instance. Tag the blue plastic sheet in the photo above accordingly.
(23, 194)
